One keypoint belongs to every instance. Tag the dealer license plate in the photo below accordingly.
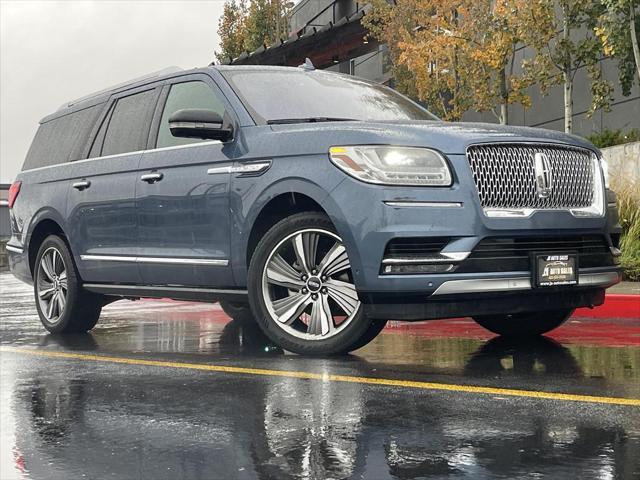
(553, 269)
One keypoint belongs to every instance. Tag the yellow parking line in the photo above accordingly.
(569, 397)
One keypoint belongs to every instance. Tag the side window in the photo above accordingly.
(61, 139)
(186, 95)
(129, 124)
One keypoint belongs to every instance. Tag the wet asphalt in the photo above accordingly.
(205, 397)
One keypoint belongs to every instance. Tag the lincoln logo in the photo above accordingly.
(544, 179)
(314, 284)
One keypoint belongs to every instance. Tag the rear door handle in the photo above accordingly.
(152, 177)
(82, 185)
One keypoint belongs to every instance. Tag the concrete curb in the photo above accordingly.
(615, 306)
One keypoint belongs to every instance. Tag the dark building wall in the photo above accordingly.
(547, 111)
(309, 13)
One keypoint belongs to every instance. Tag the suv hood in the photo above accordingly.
(448, 137)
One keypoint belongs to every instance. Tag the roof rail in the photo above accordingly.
(159, 73)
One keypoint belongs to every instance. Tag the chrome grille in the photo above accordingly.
(505, 176)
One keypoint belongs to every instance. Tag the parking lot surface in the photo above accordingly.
(169, 390)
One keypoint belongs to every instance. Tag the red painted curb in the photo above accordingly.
(615, 306)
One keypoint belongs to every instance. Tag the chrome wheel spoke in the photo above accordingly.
(61, 302)
(53, 302)
(301, 255)
(63, 279)
(344, 294)
(279, 272)
(47, 292)
(310, 245)
(336, 260)
(321, 322)
(54, 261)
(47, 266)
(290, 308)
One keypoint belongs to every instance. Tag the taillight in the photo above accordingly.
(14, 190)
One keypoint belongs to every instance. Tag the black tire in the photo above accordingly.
(238, 311)
(80, 309)
(374, 329)
(346, 339)
(524, 324)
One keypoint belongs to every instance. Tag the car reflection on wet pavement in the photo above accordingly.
(65, 413)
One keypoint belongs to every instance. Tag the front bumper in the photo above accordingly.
(370, 216)
(486, 296)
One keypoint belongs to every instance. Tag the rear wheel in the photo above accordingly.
(524, 324)
(302, 291)
(238, 311)
(62, 304)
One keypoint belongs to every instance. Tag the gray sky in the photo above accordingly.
(52, 51)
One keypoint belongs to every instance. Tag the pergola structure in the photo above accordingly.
(325, 46)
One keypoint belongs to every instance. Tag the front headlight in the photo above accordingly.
(389, 165)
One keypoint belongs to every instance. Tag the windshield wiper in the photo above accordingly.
(309, 120)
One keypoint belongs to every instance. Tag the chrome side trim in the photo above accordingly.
(605, 279)
(254, 168)
(442, 257)
(13, 249)
(404, 204)
(108, 258)
(173, 261)
(251, 168)
(219, 170)
(183, 261)
(137, 152)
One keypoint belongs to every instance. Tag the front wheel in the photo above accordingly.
(302, 290)
(524, 324)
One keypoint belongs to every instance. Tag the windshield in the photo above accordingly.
(273, 96)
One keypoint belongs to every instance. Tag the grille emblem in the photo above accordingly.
(544, 179)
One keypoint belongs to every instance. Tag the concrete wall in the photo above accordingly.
(624, 162)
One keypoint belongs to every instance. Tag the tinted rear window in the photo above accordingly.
(129, 125)
(62, 139)
(297, 94)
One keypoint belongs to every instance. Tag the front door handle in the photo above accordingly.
(152, 177)
(82, 185)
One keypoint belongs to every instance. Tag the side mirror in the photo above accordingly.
(199, 123)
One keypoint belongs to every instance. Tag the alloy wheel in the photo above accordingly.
(51, 285)
(308, 287)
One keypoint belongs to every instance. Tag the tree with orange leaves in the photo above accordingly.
(461, 54)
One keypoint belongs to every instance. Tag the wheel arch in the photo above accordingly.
(44, 223)
(282, 200)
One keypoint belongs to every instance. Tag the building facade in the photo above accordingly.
(330, 34)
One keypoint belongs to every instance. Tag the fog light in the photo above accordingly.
(417, 269)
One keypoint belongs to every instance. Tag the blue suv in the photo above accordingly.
(317, 204)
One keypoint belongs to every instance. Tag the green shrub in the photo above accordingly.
(629, 211)
(609, 138)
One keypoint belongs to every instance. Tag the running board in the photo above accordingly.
(161, 291)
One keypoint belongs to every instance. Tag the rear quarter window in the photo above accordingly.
(62, 139)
